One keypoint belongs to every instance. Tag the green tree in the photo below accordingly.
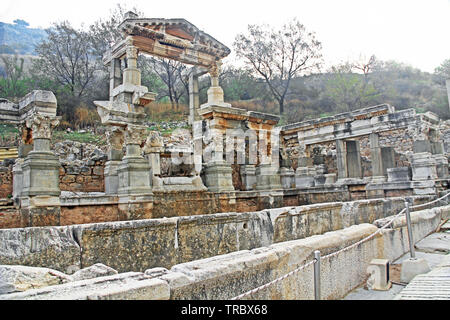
(351, 90)
(442, 73)
(15, 83)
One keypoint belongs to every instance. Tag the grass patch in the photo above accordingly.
(85, 137)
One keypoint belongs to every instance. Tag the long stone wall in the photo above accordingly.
(227, 276)
(142, 244)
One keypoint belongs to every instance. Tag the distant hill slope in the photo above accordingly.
(19, 38)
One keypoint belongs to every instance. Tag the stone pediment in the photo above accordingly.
(175, 39)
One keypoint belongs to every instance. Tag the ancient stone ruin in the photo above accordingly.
(243, 168)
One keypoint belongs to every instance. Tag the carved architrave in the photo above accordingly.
(135, 134)
(42, 126)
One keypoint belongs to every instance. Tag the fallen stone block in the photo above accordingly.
(50, 247)
(130, 286)
(94, 271)
(22, 278)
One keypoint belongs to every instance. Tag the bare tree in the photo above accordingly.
(66, 57)
(104, 33)
(279, 55)
(171, 73)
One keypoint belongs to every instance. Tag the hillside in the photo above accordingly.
(19, 38)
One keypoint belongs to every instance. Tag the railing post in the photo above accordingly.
(410, 236)
(317, 275)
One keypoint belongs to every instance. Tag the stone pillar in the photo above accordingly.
(26, 141)
(267, 172)
(287, 177)
(304, 177)
(353, 159)
(115, 137)
(134, 170)
(194, 102)
(25, 147)
(131, 74)
(441, 166)
(387, 158)
(423, 173)
(115, 76)
(319, 177)
(215, 92)
(41, 166)
(341, 158)
(248, 176)
(377, 162)
(218, 172)
(17, 180)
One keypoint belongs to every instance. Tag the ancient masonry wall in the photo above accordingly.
(142, 244)
(85, 178)
(325, 152)
(227, 276)
(6, 186)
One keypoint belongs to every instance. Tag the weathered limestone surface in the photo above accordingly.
(94, 271)
(21, 278)
(124, 286)
(226, 276)
(423, 222)
(141, 244)
(52, 247)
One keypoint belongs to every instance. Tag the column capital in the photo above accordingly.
(42, 125)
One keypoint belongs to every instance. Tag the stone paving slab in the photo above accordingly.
(436, 242)
(435, 249)
(446, 226)
(434, 285)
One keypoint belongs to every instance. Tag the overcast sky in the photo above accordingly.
(416, 32)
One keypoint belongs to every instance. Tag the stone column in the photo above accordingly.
(218, 172)
(115, 76)
(115, 137)
(287, 177)
(25, 147)
(131, 74)
(267, 172)
(341, 158)
(376, 157)
(423, 173)
(152, 149)
(134, 170)
(41, 166)
(353, 159)
(194, 101)
(441, 166)
(215, 92)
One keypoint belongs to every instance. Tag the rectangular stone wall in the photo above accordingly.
(227, 276)
(86, 178)
(6, 185)
(142, 244)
